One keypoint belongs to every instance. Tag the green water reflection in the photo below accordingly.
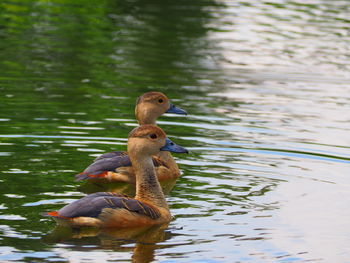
(266, 86)
(64, 68)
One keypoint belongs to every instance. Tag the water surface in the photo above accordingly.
(266, 84)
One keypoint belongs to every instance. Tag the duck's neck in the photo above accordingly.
(166, 157)
(147, 121)
(148, 188)
(143, 117)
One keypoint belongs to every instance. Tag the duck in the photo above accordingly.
(147, 208)
(116, 166)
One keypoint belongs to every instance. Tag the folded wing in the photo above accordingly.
(92, 206)
(102, 165)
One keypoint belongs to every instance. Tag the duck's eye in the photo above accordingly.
(153, 136)
(160, 100)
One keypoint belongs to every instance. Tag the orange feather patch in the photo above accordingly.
(101, 175)
(55, 214)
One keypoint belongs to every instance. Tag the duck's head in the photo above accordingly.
(150, 140)
(152, 105)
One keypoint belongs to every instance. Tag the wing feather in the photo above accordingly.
(110, 155)
(101, 166)
(93, 205)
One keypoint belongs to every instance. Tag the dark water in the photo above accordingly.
(267, 86)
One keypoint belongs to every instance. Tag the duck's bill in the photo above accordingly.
(172, 147)
(176, 110)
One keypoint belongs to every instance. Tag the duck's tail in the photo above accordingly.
(55, 215)
(86, 176)
(51, 214)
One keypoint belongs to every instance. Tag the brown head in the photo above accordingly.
(150, 140)
(152, 105)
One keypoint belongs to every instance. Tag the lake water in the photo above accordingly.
(267, 88)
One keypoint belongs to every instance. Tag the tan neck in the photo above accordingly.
(148, 188)
(143, 117)
(166, 157)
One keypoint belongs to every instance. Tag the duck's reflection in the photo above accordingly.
(143, 240)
